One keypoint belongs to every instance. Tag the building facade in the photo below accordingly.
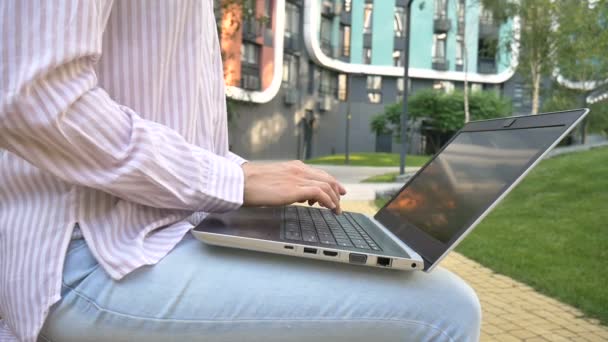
(295, 69)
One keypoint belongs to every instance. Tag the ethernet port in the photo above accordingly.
(384, 262)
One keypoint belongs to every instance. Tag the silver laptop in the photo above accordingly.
(428, 217)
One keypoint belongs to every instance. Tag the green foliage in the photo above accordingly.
(582, 40)
(562, 98)
(444, 112)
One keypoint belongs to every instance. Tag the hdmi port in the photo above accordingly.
(330, 253)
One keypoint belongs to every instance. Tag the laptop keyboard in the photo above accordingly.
(323, 227)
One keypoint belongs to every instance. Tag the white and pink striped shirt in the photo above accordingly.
(112, 116)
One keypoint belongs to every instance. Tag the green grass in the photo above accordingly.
(384, 178)
(369, 159)
(551, 232)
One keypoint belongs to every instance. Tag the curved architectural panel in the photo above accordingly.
(311, 40)
(271, 91)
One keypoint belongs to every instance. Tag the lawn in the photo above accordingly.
(383, 178)
(551, 232)
(370, 159)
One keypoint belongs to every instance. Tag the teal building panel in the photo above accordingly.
(356, 37)
(383, 32)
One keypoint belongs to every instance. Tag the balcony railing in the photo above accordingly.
(440, 63)
(441, 24)
(251, 29)
(345, 18)
(487, 28)
(326, 47)
(291, 43)
(486, 65)
(367, 40)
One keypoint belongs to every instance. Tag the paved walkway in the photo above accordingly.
(513, 311)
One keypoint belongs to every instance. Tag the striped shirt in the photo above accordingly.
(112, 117)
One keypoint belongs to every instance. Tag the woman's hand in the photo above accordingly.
(276, 184)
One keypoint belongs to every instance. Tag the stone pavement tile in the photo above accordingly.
(589, 336)
(513, 311)
(522, 333)
(505, 338)
(536, 339)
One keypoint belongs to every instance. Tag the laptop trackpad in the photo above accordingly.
(255, 223)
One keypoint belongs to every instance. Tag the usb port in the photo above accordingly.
(288, 247)
(310, 250)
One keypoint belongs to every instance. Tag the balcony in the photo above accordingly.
(487, 28)
(486, 65)
(440, 64)
(399, 43)
(460, 25)
(326, 47)
(330, 9)
(367, 40)
(251, 29)
(291, 43)
(291, 96)
(441, 24)
(345, 18)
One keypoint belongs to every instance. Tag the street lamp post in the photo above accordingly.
(406, 65)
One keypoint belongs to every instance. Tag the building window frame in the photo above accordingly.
(367, 56)
(399, 21)
(343, 87)
(328, 83)
(368, 14)
(345, 34)
(374, 88)
(291, 65)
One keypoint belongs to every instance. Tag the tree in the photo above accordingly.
(582, 46)
(536, 38)
(442, 113)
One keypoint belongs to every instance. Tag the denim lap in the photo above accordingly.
(207, 293)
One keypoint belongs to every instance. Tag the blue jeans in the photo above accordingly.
(206, 293)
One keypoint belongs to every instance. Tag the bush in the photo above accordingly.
(442, 114)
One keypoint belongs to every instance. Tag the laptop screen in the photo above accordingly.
(462, 181)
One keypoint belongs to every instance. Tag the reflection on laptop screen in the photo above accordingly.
(465, 179)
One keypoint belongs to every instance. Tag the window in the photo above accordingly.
(311, 77)
(459, 50)
(345, 40)
(399, 21)
(374, 89)
(347, 5)
(441, 7)
(250, 54)
(326, 36)
(250, 66)
(292, 20)
(367, 18)
(460, 8)
(290, 70)
(268, 13)
(400, 89)
(439, 47)
(328, 85)
(367, 56)
(397, 60)
(342, 87)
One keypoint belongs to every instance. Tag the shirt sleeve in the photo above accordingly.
(236, 158)
(54, 115)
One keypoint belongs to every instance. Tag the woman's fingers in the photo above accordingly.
(312, 192)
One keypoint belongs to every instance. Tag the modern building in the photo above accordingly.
(295, 68)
